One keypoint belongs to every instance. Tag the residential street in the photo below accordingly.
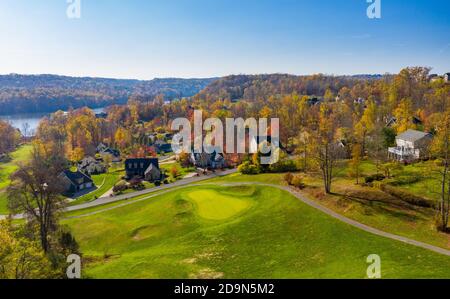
(109, 199)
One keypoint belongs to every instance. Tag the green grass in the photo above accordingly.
(268, 178)
(417, 178)
(365, 204)
(6, 169)
(181, 235)
(222, 207)
(3, 203)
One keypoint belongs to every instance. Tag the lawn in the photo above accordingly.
(418, 178)
(6, 169)
(262, 232)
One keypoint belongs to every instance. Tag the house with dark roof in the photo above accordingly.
(75, 182)
(393, 121)
(143, 168)
(91, 166)
(411, 145)
(104, 150)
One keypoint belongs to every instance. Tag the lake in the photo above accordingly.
(19, 121)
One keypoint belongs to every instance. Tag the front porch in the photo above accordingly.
(402, 154)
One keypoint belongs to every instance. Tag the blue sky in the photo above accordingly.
(202, 38)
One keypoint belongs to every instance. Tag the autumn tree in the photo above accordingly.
(323, 147)
(441, 150)
(366, 125)
(184, 159)
(355, 163)
(175, 172)
(77, 154)
(21, 258)
(122, 137)
(9, 137)
(404, 115)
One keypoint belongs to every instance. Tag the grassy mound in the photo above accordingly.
(264, 233)
(213, 205)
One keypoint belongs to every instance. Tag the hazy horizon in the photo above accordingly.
(211, 77)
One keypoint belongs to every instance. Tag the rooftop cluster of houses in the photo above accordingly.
(205, 160)
(90, 166)
(435, 77)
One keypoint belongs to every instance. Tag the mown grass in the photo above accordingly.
(269, 178)
(276, 236)
(8, 168)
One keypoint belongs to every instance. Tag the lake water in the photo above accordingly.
(19, 121)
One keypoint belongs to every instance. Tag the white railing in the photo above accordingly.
(402, 151)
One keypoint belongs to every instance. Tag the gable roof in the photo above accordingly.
(74, 177)
(145, 162)
(412, 135)
(151, 168)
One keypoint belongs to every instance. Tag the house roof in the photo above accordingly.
(412, 135)
(152, 167)
(74, 177)
(146, 162)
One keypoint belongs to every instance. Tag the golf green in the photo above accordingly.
(213, 205)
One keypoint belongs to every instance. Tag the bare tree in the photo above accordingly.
(26, 129)
(36, 191)
(323, 147)
(441, 149)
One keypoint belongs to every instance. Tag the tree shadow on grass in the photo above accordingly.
(388, 206)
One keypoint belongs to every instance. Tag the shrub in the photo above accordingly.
(120, 187)
(175, 172)
(375, 177)
(248, 168)
(157, 183)
(294, 180)
(297, 181)
(283, 166)
(288, 178)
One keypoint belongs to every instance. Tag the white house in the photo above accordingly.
(411, 145)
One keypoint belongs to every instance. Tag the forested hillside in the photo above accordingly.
(254, 87)
(47, 93)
